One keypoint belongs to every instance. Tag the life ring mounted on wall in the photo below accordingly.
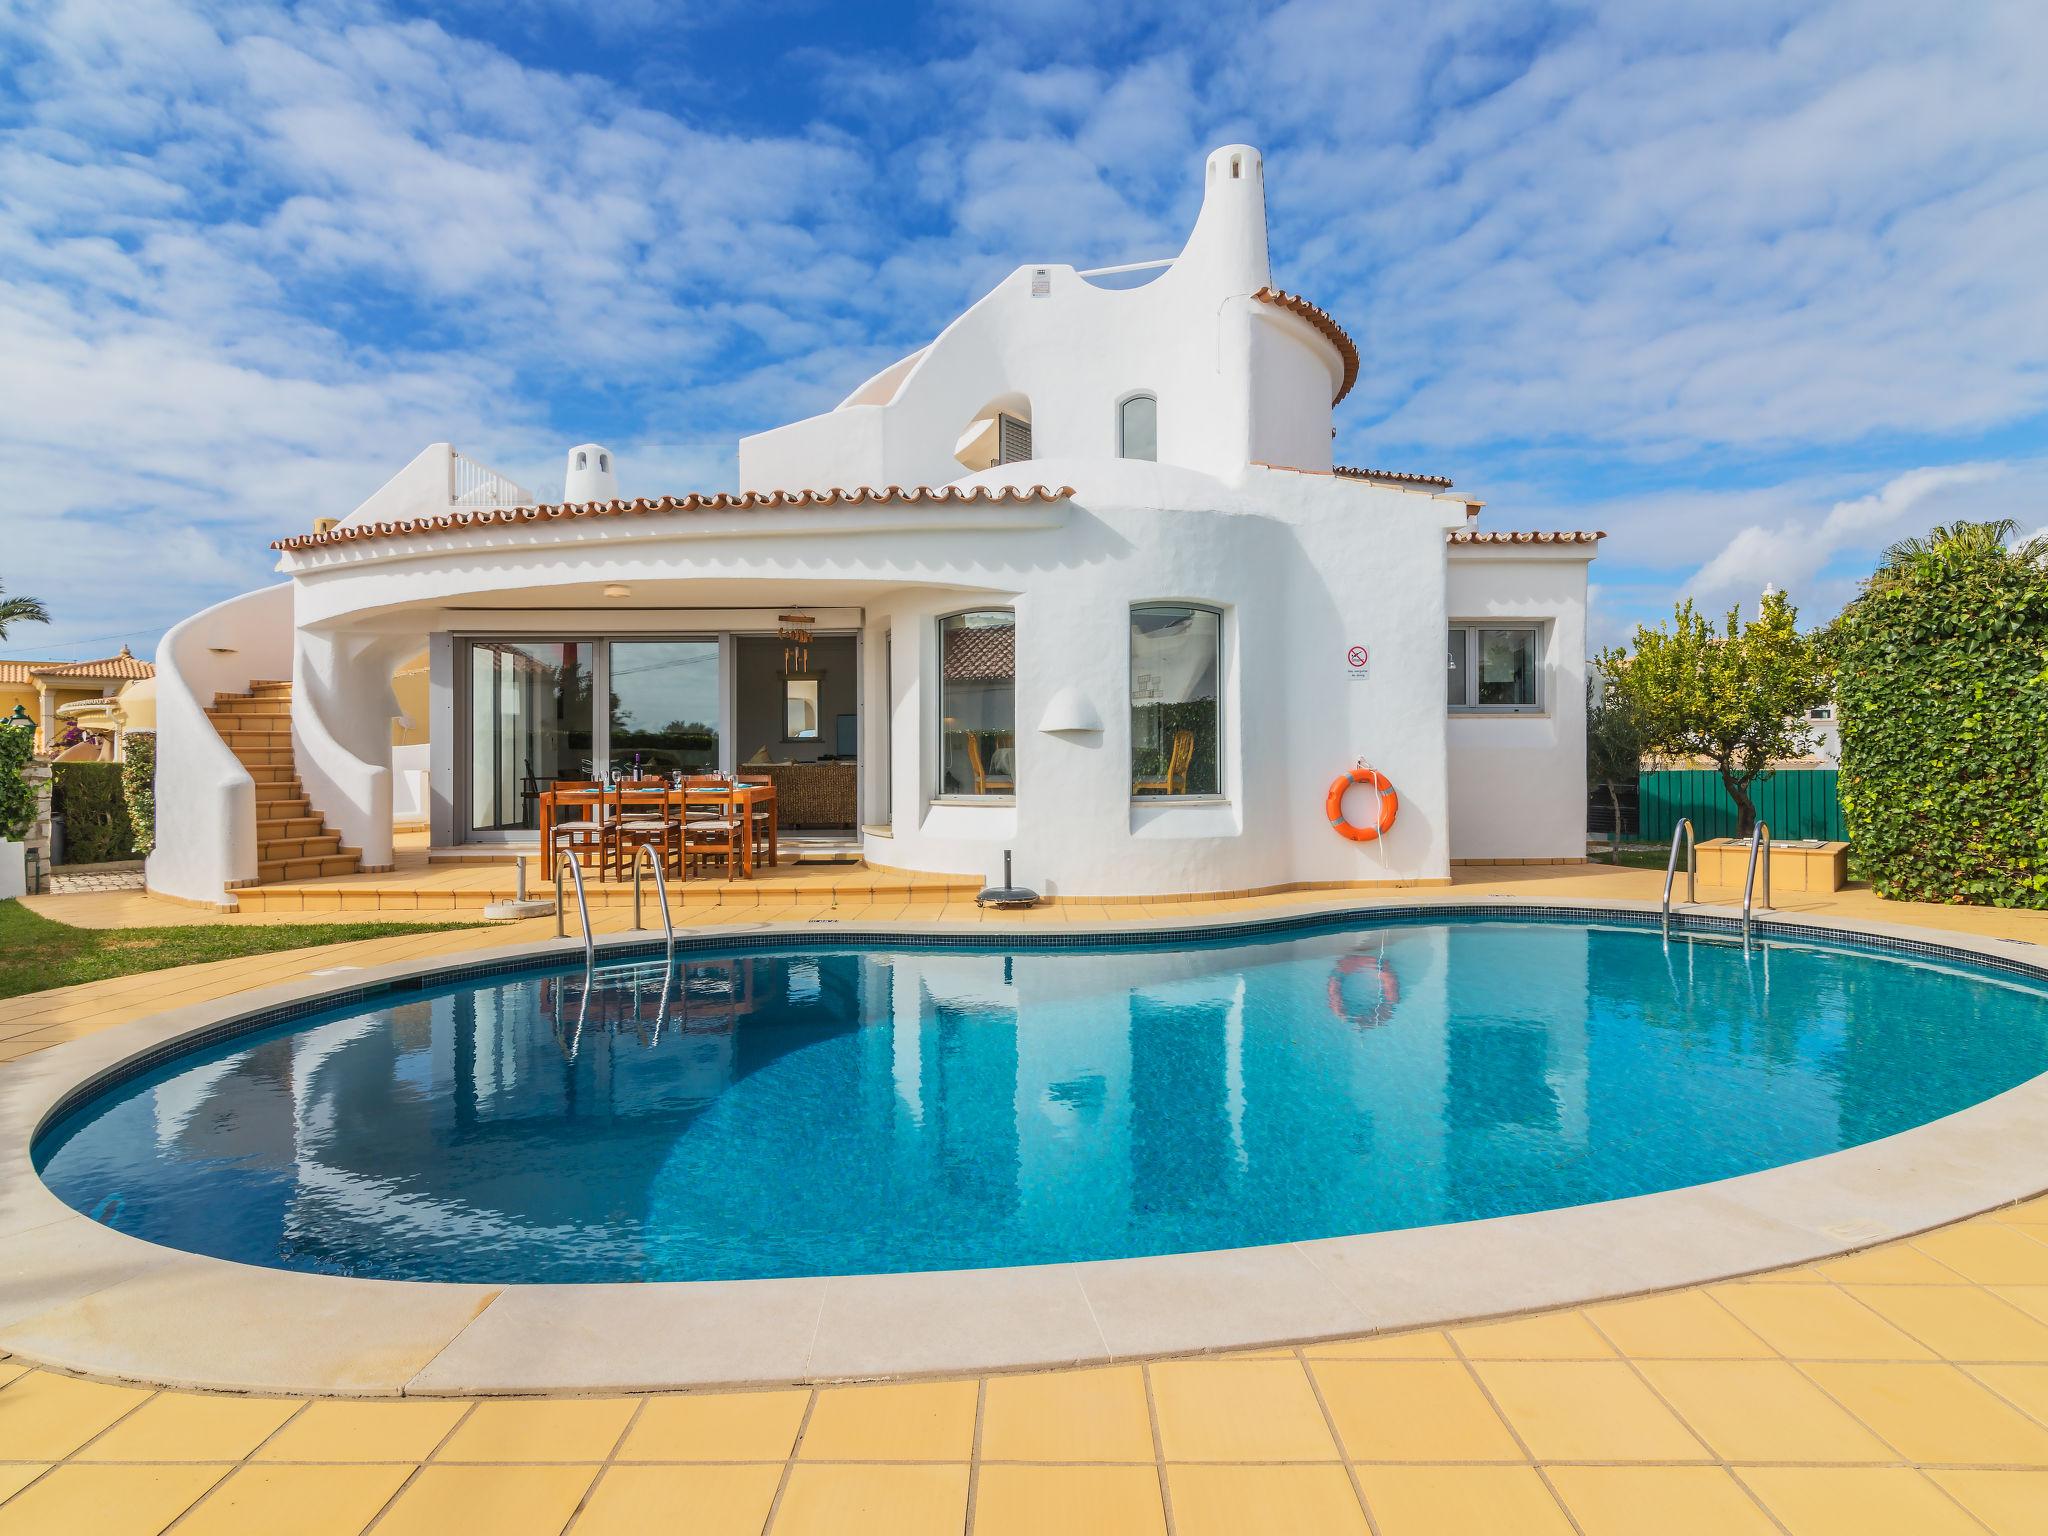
(1390, 804)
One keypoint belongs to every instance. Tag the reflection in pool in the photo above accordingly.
(848, 1110)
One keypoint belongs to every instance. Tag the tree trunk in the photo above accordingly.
(1745, 808)
(1614, 799)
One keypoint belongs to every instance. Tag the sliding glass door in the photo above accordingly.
(664, 706)
(530, 722)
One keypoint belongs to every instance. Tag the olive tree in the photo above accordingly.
(1736, 694)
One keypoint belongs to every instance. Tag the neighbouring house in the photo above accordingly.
(104, 699)
(1077, 579)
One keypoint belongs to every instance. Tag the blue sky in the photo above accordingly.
(1756, 287)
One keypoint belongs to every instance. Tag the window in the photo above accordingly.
(1176, 675)
(604, 462)
(1013, 439)
(1495, 668)
(978, 703)
(799, 709)
(1137, 428)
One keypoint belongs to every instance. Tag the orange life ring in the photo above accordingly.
(1333, 804)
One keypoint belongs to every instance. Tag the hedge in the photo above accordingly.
(17, 800)
(138, 787)
(1942, 697)
(89, 798)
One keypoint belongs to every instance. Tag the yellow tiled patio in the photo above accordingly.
(1902, 1391)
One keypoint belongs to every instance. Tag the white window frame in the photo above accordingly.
(1222, 791)
(1138, 394)
(1471, 628)
(940, 794)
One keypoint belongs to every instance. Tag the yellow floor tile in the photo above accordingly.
(1959, 1322)
(1680, 1325)
(306, 1501)
(487, 1501)
(1935, 1413)
(1074, 1501)
(1857, 1501)
(1546, 1336)
(909, 1421)
(1412, 1410)
(2030, 1299)
(1988, 1252)
(717, 1426)
(1239, 1410)
(1762, 1410)
(1264, 1501)
(556, 1429)
(1429, 1345)
(1669, 1501)
(2023, 1385)
(2010, 1503)
(873, 1501)
(339, 1430)
(44, 1417)
(1894, 1264)
(1586, 1410)
(1816, 1322)
(703, 1501)
(191, 1426)
(106, 1501)
(1461, 1501)
(17, 1475)
(1094, 1415)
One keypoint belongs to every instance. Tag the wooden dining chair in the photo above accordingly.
(1178, 762)
(983, 783)
(585, 832)
(646, 817)
(758, 815)
(715, 828)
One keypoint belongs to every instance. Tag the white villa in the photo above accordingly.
(1080, 580)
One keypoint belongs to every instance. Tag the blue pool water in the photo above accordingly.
(848, 1110)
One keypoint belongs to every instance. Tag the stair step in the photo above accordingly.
(261, 757)
(274, 774)
(346, 863)
(231, 722)
(243, 705)
(266, 687)
(287, 849)
(270, 829)
(279, 792)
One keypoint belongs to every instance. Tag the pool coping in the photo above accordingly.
(77, 1296)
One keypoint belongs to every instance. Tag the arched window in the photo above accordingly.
(1176, 700)
(1137, 428)
(604, 462)
(582, 459)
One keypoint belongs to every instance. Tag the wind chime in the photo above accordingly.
(795, 633)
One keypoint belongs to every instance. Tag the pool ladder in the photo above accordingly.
(645, 853)
(1692, 870)
(1759, 850)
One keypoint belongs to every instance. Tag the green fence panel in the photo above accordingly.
(1797, 802)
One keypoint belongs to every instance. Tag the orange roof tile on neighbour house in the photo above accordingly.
(483, 517)
(1476, 536)
(124, 667)
(1391, 476)
(1324, 322)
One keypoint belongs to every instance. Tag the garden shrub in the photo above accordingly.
(89, 798)
(138, 788)
(1942, 696)
(17, 800)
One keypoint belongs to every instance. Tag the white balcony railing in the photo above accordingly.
(473, 485)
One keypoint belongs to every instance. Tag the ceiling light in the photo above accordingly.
(617, 589)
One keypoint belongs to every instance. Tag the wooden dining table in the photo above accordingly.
(748, 798)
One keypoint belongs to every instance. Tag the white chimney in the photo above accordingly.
(592, 474)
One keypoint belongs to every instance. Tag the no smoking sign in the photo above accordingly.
(1356, 659)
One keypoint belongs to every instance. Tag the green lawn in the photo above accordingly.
(36, 954)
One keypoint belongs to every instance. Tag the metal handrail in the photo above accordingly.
(646, 853)
(1692, 869)
(1759, 843)
(575, 869)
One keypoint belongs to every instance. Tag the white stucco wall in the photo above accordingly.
(1518, 782)
(205, 799)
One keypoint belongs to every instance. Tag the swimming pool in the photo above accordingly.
(844, 1109)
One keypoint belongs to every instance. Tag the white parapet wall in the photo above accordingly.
(205, 799)
(342, 708)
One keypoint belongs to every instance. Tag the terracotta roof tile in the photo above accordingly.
(1476, 536)
(1392, 476)
(124, 667)
(986, 495)
(1323, 321)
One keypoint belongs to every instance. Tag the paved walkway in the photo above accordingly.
(1900, 1390)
